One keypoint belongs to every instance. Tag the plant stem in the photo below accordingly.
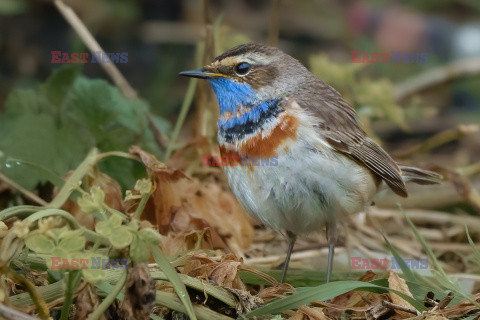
(273, 31)
(141, 205)
(187, 101)
(37, 299)
(109, 299)
(72, 279)
(30, 195)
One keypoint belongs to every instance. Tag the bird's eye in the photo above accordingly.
(242, 68)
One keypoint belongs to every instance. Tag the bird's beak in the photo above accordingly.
(196, 74)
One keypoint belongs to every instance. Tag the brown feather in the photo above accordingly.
(339, 126)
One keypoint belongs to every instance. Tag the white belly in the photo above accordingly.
(306, 189)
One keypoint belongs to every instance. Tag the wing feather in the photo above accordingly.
(339, 125)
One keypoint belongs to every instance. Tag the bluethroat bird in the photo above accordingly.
(327, 166)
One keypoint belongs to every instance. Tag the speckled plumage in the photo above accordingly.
(327, 166)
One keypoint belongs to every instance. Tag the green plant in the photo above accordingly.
(53, 233)
(55, 125)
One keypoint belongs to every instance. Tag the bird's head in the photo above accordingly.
(251, 74)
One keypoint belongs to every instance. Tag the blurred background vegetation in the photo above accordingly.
(426, 114)
(52, 114)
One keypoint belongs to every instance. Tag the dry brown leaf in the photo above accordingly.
(428, 316)
(378, 311)
(139, 298)
(220, 209)
(246, 302)
(308, 313)
(161, 204)
(223, 273)
(399, 284)
(87, 301)
(461, 309)
(277, 291)
(179, 206)
(188, 240)
(462, 185)
(354, 298)
(113, 197)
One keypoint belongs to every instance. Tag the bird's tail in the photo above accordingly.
(420, 176)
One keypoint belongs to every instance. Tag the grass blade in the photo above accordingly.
(442, 277)
(174, 279)
(409, 275)
(476, 253)
(171, 301)
(305, 296)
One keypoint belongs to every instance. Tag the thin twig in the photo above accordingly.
(187, 102)
(274, 31)
(440, 139)
(92, 44)
(445, 301)
(30, 195)
(470, 170)
(436, 76)
(109, 67)
(206, 109)
(12, 314)
(393, 306)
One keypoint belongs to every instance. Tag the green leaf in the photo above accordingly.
(59, 84)
(93, 275)
(26, 101)
(39, 139)
(71, 244)
(150, 236)
(55, 125)
(115, 221)
(120, 237)
(39, 243)
(132, 225)
(94, 272)
(305, 296)
(56, 233)
(103, 228)
(71, 233)
(62, 253)
(139, 251)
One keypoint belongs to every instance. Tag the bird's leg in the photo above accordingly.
(332, 236)
(291, 238)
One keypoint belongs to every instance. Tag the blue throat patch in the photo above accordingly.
(231, 95)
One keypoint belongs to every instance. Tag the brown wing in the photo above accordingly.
(338, 124)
